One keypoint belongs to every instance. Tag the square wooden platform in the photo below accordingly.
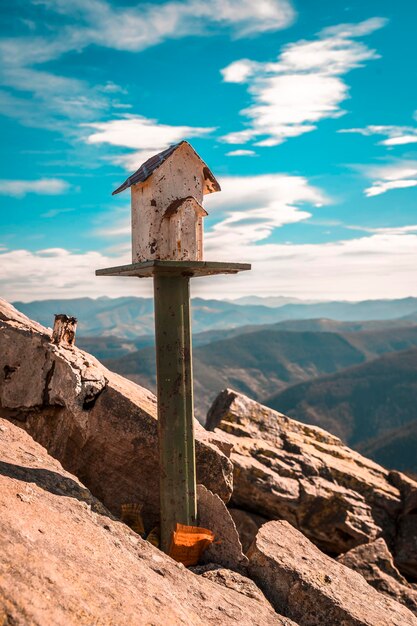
(175, 268)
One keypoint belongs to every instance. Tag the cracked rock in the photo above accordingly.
(314, 589)
(100, 426)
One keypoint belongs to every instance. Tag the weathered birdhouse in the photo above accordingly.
(167, 213)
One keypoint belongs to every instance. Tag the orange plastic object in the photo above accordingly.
(188, 543)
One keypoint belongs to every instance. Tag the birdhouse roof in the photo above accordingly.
(175, 206)
(147, 169)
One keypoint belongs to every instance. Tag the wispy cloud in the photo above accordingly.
(395, 135)
(303, 86)
(380, 265)
(55, 273)
(235, 153)
(144, 136)
(57, 99)
(55, 212)
(377, 266)
(138, 27)
(251, 207)
(44, 186)
(399, 175)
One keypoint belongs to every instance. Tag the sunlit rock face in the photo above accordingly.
(284, 469)
(374, 561)
(65, 560)
(314, 589)
(101, 427)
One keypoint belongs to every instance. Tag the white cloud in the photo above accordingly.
(239, 71)
(380, 263)
(378, 266)
(251, 207)
(400, 140)
(367, 27)
(395, 135)
(382, 186)
(387, 177)
(303, 86)
(144, 136)
(57, 99)
(57, 273)
(43, 186)
(136, 28)
(55, 212)
(234, 153)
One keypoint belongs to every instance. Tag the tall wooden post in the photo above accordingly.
(174, 381)
(175, 404)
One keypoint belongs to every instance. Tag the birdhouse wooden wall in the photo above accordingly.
(179, 177)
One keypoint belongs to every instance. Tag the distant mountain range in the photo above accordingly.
(371, 406)
(111, 347)
(129, 317)
(263, 362)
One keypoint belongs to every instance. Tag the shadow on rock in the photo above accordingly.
(53, 482)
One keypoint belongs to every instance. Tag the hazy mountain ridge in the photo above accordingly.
(371, 406)
(109, 346)
(254, 363)
(265, 361)
(130, 317)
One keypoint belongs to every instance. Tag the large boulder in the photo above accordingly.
(314, 589)
(66, 561)
(287, 470)
(374, 561)
(100, 426)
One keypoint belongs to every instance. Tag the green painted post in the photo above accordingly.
(174, 380)
(175, 404)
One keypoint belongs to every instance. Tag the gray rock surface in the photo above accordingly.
(231, 579)
(284, 469)
(101, 426)
(247, 525)
(226, 550)
(405, 545)
(314, 589)
(374, 561)
(65, 561)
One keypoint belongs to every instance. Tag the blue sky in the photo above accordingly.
(305, 111)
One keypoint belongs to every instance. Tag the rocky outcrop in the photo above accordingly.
(230, 579)
(100, 426)
(65, 561)
(405, 548)
(374, 561)
(314, 589)
(287, 470)
(226, 550)
(247, 525)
